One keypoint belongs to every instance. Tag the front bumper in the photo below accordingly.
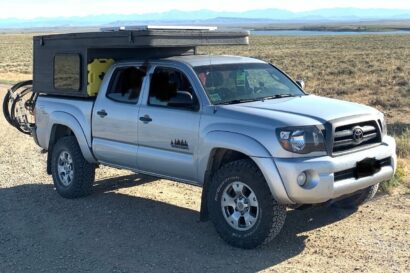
(321, 170)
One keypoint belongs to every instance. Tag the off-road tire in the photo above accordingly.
(356, 200)
(271, 216)
(84, 172)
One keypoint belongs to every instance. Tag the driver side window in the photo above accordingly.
(171, 88)
(126, 84)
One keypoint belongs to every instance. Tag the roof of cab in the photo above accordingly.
(201, 60)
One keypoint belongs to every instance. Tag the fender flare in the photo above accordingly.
(248, 146)
(68, 120)
(242, 143)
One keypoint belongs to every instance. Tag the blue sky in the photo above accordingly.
(27, 9)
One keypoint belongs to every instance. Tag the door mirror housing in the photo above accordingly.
(301, 83)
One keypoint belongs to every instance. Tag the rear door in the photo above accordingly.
(168, 134)
(115, 118)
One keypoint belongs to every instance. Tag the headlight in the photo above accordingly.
(301, 140)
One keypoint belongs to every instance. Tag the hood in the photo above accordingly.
(310, 106)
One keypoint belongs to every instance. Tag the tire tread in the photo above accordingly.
(84, 175)
(279, 211)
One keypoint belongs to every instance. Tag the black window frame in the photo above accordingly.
(80, 72)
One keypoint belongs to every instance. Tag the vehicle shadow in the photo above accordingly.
(114, 232)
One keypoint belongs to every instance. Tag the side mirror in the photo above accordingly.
(301, 83)
(183, 99)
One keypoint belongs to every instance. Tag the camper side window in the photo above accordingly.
(67, 72)
(126, 84)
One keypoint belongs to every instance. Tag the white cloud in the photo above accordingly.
(52, 8)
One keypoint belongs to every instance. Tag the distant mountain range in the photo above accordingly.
(213, 17)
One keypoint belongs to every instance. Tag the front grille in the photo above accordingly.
(351, 173)
(353, 136)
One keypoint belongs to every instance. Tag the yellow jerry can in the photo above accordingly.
(96, 71)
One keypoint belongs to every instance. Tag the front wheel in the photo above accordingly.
(73, 176)
(241, 206)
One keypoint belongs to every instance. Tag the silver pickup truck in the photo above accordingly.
(238, 127)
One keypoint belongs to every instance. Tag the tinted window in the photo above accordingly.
(126, 84)
(171, 88)
(67, 72)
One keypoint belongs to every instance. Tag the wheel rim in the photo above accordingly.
(240, 206)
(65, 168)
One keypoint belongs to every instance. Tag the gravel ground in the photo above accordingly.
(135, 223)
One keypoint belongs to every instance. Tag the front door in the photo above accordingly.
(115, 119)
(168, 131)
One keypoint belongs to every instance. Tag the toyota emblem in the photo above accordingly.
(358, 134)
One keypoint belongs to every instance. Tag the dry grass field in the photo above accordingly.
(15, 57)
(135, 223)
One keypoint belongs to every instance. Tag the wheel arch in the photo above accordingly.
(224, 147)
(62, 125)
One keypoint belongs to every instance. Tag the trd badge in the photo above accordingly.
(180, 144)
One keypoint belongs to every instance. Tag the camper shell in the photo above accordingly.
(74, 64)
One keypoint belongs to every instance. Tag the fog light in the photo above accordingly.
(302, 178)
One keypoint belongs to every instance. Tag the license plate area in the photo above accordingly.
(367, 167)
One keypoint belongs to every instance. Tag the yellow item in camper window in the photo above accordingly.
(96, 71)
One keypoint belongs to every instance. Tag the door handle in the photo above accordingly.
(102, 113)
(146, 119)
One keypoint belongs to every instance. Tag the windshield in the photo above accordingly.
(236, 83)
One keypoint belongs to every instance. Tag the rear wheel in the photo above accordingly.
(241, 206)
(358, 199)
(73, 176)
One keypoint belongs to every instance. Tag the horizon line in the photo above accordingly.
(198, 10)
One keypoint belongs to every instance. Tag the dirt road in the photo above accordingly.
(135, 223)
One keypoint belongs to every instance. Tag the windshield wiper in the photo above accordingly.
(278, 96)
(256, 99)
(237, 101)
